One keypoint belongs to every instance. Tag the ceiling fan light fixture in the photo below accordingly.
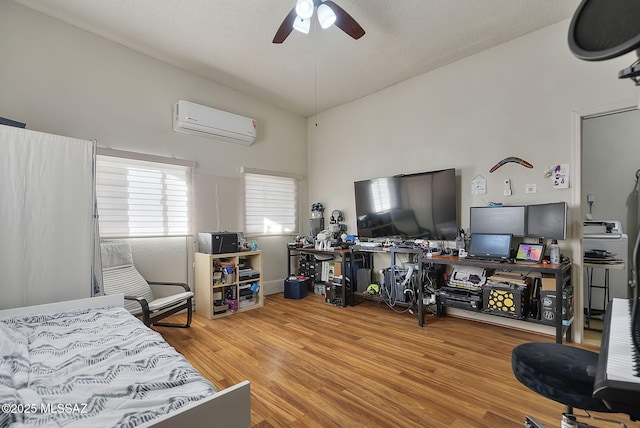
(304, 9)
(329, 13)
(302, 25)
(326, 16)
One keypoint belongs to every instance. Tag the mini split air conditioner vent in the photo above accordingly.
(209, 122)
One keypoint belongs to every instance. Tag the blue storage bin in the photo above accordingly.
(296, 288)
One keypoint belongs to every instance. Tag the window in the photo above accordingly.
(142, 198)
(270, 204)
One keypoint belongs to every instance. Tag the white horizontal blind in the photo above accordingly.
(140, 198)
(270, 204)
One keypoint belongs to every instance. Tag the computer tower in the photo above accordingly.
(363, 279)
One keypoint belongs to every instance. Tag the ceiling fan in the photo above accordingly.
(329, 13)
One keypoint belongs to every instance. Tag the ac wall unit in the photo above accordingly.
(209, 122)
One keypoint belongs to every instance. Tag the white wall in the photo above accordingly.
(514, 100)
(518, 99)
(63, 80)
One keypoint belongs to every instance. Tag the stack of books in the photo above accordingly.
(508, 280)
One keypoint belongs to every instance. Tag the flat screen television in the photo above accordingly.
(412, 206)
(499, 219)
(547, 221)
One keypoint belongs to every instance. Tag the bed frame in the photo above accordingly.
(230, 407)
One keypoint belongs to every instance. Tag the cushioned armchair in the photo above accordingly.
(120, 276)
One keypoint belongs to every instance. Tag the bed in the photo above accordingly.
(89, 362)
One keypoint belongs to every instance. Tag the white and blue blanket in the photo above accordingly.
(90, 368)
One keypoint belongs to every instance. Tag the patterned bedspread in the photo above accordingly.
(90, 368)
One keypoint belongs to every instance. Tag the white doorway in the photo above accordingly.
(608, 154)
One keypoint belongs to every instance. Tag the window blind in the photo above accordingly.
(140, 198)
(270, 204)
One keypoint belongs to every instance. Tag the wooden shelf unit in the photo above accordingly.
(218, 278)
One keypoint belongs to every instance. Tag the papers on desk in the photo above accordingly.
(468, 277)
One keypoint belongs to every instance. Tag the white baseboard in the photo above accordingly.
(272, 287)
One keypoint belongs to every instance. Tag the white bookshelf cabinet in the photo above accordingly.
(225, 285)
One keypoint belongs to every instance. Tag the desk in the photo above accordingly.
(562, 273)
(589, 267)
(344, 256)
(392, 252)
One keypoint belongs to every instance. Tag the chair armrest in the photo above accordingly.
(137, 299)
(145, 308)
(143, 302)
(176, 284)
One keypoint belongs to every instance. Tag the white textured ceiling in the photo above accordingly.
(229, 41)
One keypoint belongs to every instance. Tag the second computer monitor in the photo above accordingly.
(547, 221)
(499, 219)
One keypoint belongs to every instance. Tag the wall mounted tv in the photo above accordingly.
(548, 221)
(412, 206)
(499, 219)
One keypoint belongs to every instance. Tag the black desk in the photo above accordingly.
(562, 273)
(393, 251)
(344, 255)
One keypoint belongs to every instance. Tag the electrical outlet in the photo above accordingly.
(530, 188)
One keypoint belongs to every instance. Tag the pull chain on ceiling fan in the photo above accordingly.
(329, 13)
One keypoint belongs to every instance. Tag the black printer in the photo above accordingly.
(218, 242)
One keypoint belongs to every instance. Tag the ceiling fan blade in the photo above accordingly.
(286, 27)
(345, 22)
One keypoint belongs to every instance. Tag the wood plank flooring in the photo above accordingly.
(316, 365)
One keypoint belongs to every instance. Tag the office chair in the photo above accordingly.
(120, 276)
(564, 374)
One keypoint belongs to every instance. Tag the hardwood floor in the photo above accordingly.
(315, 365)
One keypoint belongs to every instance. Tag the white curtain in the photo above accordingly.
(46, 217)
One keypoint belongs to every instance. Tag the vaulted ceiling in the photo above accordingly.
(230, 42)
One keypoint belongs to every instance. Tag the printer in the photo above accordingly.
(218, 242)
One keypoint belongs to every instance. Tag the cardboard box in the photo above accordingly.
(335, 269)
(548, 282)
(296, 288)
(548, 306)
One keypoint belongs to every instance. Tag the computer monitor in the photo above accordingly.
(490, 246)
(547, 221)
(499, 219)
